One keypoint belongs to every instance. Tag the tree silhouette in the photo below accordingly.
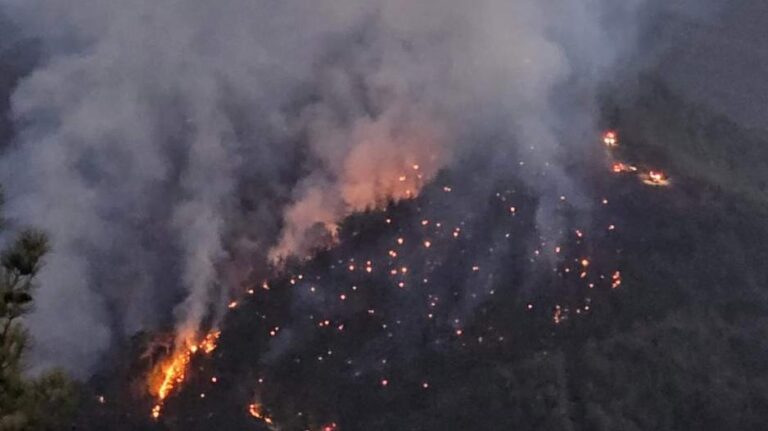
(25, 403)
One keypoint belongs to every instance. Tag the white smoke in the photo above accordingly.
(157, 133)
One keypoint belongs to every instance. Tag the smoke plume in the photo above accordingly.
(165, 143)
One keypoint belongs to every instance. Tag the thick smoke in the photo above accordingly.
(164, 142)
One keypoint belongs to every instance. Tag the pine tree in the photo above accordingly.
(41, 403)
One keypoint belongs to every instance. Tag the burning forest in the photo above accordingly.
(369, 215)
(382, 324)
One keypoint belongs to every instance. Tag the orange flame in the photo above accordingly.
(620, 167)
(255, 410)
(655, 178)
(171, 373)
(610, 139)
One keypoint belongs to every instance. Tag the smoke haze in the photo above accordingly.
(171, 147)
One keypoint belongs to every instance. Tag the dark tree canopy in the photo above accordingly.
(40, 403)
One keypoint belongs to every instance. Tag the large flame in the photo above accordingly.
(170, 373)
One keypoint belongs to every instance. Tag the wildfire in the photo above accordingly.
(619, 167)
(610, 139)
(255, 410)
(171, 373)
(655, 178)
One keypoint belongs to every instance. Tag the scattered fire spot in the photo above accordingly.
(655, 179)
(256, 411)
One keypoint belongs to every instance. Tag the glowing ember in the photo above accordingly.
(616, 280)
(208, 344)
(171, 373)
(610, 139)
(557, 316)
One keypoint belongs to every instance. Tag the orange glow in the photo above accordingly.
(170, 373)
(655, 178)
(610, 139)
(255, 410)
(208, 344)
(619, 167)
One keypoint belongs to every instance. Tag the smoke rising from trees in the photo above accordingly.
(172, 147)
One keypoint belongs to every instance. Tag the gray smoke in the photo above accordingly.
(171, 147)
